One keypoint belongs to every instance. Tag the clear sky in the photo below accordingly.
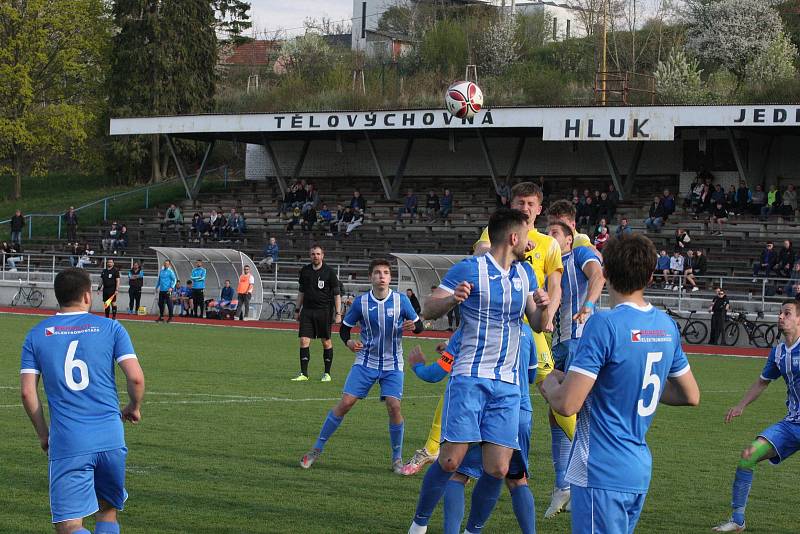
(271, 15)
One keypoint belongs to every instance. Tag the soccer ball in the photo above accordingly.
(463, 99)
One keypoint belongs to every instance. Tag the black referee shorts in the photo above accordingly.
(315, 324)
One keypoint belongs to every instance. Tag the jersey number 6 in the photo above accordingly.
(651, 379)
(71, 363)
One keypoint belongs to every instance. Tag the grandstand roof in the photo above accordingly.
(647, 123)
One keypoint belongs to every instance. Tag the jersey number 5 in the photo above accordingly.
(71, 363)
(651, 379)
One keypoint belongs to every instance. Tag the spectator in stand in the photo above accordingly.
(288, 202)
(108, 241)
(120, 245)
(774, 204)
(719, 216)
(766, 262)
(17, 224)
(324, 218)
(446, 205)
(789, 202)
(218, 226)
(655, 219)
(590, 209)
(613, 199)
(601, 238)
(84, 258)
(682, 238)
(703, 201)
(173, 217)
(358, 202)
(309, 220)
(668, 203)
(294, 220)
(270, 251)
(135, 283)
(786, 258)
(623, 228)
(414, 300)
(358, 220)
(688, 272)
(312, 199)
(409, 206)
(502, 202)
(300, 196)
(165, 285)
(758, 199)
(74, 250)
(700, 264)
(676, 268)
(600, 225)
(717, 195)
(792, 287)
(244, 292)
(195, 227)
(432, 206)
(719, 310)
(604, 210)
(503, 190)
(743, 198)
(10, 257)
(545, 187)
(334, 226)
(346, 219)
(71, 220)
(730, 199)
(586, 194)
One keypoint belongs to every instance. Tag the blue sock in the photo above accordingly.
(328, 428)
(560, 447)
(453, 507)
(396, 438)
(106, 527)
(484, 499)
(431, 491)
(741, 490)
(524, 509)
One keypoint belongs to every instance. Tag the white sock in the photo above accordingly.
(417, 529)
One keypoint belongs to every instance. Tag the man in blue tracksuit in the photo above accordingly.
(198, 286)
(165, 285)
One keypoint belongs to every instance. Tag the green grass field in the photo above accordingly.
(224, 429)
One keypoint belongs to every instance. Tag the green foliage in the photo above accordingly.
(533, 31)
(497, 47)
(233, 19)
(397, 19)
(307, 56)
(678, 80)
(52, 65)
(773, 65)
(444, 48)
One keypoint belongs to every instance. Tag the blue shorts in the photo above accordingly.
(563, 353)
(598, 511)
(480, 409)
(361, 379)
(79, 482)
(784, 438)
(472, 464)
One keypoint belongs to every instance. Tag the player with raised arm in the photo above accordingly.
(628, 359)
(482, 399)
(782, 439)
(581, 286)
(384, 315)
(74, 353)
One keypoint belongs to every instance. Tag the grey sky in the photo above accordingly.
(271, 15)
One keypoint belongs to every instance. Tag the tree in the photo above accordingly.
(233, 19)
(497, 47)
(732, 33)
(678, 79)
(52, 63)
(308, 56)
(774, 64)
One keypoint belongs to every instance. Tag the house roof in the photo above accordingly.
(251, 53)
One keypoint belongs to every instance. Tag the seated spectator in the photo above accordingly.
(613, 200)
(432, 205)
(690, 199)
(689, 273)
(346, 219)
(358, 202)
(10, 255)
(676, 268)
(758, 199)
(300, 195)
(195, 227)
(717, 195)
(358, 220)
(235, 226)
(789, 202)
(587, 215)
(695, 195)
(337, 218)
(294, 220)
(309, 220)
(218, 227)
(786, 258)
(227, 295)
(600, 224)
(700, 263)
(121, 242)
(173, 217)
(703, 201)
(324, 218)
(108, 241)
(84, 258)
(668, 202)
(312, 199)
(719, 216)
(414, 300)
(774, 205)
(662, 268)
(766, 261)
(655, 219)
(187, 304)
(743, 198)
(270, 251)
(409, 206)
(601, 238)
(446, 205)
(792, 287)
(503, 202)
(623, 228)
(730, 199)
(604, 210)
(682, 238)
(287, 204)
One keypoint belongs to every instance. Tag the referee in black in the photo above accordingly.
(319, 303)
(109, 284)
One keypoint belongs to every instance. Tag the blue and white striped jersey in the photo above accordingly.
(381, 329)
(784, 362)
(490, 317)
(574, 287)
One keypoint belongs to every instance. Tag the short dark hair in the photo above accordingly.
(526, 189)
(564, 228)
(562, 208)
(503, 221)
(70, 285)
(316, 245)
(377, 262)
(629, 262)
(793, 302)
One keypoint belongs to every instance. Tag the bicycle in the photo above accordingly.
(694, 331)
(761, 335)
(281, 307)
(27, 296)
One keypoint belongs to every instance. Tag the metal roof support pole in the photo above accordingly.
(512, 171)
(301, 160)
(387, 187)
(736, 155)
(401, 168)
(633, 170)
(179, 166)
(274, 160)
(489, 161)
(613, 170)
(767, 154)
(451, 140)
(198, 180)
